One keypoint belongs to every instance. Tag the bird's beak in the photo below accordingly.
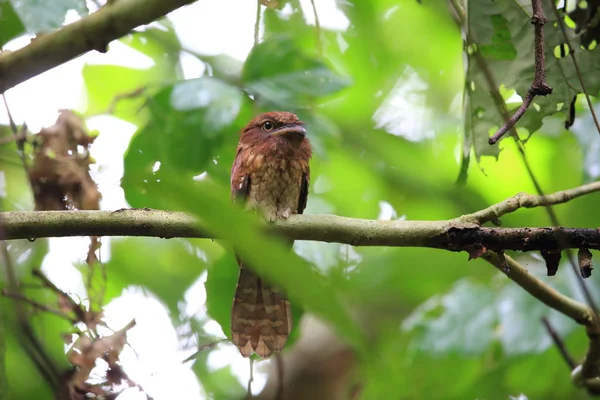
(292, 131)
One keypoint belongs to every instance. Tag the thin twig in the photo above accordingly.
(317, 28)
(38, 306)
(524, 200)
(560, 345)
(122, 96)
(257, 23)
(280, 383)
(9, 139)
(74, 306)
(202, 348)
(508, 125)
(561, 25)
(19, 137)
(27, 337)
(538, 20)
(539, 87)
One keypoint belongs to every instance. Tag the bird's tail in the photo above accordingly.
(261, 318)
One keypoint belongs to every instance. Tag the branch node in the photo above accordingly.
(539, 19)
(541, 89)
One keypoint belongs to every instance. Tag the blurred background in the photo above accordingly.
(398, 114)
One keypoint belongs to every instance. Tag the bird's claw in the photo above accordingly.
(286, 214)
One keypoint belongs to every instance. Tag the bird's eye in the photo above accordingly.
(267, 126)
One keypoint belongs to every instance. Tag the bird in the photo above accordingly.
(270, 175)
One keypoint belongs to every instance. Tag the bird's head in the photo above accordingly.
(276, 127)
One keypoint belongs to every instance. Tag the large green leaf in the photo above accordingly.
(122, 90)
(588, 136)
(278, 73)
(3, 380)
(38, 17)
(187, 125)
(165, 267)
(455, 323)
(10, 22)
(219, 383)
(220, 289)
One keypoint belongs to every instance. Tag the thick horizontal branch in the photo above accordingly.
(94, 32)
(449, 235)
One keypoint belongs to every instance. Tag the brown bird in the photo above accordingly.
(270, 174)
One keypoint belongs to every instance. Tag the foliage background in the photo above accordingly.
(382, 95)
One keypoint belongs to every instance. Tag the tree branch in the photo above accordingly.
(462, 233)
(539, 87)
(510, 123)
(94, 32)
(448, 235)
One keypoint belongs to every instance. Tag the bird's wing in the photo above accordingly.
(240, 179)
(303, 192)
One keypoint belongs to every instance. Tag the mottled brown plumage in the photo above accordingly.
(270, 174)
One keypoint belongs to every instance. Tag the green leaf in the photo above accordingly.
(220, 288)
(219, 383)
(38, 17)
(121, 91)
(186, 127)
(165, 267)
(3, 380)
(116, 90)
(10, 22)
(586, 132)
(455, 323)
(278, 73)
(218, 102)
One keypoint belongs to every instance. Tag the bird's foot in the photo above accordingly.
(286, 214)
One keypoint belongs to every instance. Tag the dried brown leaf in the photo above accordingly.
(552, 259)
(585, 262)
(60, 172)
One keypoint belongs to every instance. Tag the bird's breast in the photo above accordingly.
(275, 186)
